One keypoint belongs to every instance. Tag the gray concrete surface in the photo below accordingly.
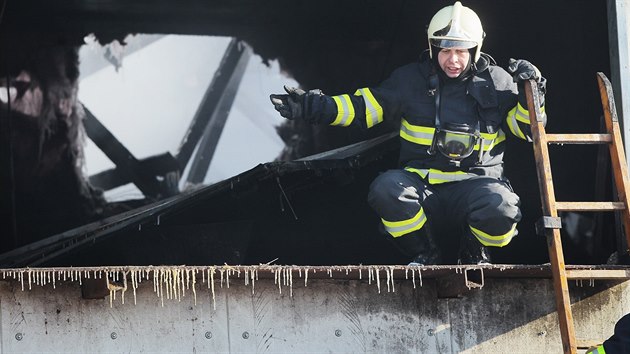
(281, 315)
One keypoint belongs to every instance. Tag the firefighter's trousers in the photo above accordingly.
(484, 206)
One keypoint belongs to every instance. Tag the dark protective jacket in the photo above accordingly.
(488, 96)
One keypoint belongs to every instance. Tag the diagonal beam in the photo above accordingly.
(231, 63)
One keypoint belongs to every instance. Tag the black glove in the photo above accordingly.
(290, 106)
(522, 70)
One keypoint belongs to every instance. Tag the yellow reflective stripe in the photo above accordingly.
(422, 172)
(599, 350)
(345, 111)
(522, 114)
(403, 227)
(436, 176)
(373, 110)
(513, 124)
(494, 241)
(416, 133)
(491, 140)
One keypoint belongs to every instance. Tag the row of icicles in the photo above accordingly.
(172, 282)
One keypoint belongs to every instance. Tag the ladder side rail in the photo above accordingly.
(617, 155)
(554, 243)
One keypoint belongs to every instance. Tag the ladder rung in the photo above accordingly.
(577, 274)
(578, 138)
(589, 206)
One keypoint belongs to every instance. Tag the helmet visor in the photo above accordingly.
(452, 43)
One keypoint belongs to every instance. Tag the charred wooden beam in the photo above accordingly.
(227, 76)
(127, 166)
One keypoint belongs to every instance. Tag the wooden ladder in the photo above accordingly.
(550, 222)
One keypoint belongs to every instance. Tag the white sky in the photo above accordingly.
(149, 103)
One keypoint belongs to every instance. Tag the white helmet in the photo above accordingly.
(456, 26)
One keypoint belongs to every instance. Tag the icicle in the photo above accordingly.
(161, 280)
(420, 277)
(182, 285)
(413, 277)
(387, 272)
(370, 275)
(194, 281)
(22, 280)
(29, 278)
(305, 277)
(80, 277)
(391, 277)
(290, 282)
(407, 269)
(252, 275)
(134, 285)
(277, 276)
(155, 283)
(214, 303)
(221, 273)
(360, 275)
(53, 281)
(378, 280)
(122, 293)
(227, 278)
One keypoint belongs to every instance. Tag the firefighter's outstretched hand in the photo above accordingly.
(522, 70)
(291, 105)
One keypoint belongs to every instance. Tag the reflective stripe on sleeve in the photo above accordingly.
(373, 110)
(512, 123)
(403, 227)
(494, 241)
(345, 111)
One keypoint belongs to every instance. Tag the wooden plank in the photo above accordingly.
(548, 199)
(617, 155)
(584, 274)
(590, 206)
(579, 138)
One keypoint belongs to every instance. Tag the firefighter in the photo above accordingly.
(456, 107)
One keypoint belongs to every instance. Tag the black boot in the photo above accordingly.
(419, 247)
(472, 251)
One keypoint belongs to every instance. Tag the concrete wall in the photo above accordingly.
(506, 315)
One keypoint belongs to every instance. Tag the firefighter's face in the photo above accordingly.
(453, 61)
